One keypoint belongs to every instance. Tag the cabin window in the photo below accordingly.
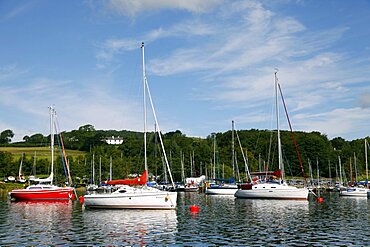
(122, 191)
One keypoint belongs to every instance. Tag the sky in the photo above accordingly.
(208, 62)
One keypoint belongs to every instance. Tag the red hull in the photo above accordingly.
(63, 194)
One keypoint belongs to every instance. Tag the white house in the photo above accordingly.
(114, 140)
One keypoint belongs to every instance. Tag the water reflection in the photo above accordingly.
(130, 227)
(35, 223)
(221, 221)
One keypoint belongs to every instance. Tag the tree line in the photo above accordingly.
(260, 147)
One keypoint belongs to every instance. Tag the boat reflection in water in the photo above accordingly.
(131, 227)
(38, 222)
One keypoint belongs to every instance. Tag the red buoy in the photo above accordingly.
(320, 199)
(82, 199)
(194, 209)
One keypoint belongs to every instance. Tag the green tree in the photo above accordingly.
(6, 136)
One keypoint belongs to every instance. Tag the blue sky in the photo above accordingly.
(208, 62)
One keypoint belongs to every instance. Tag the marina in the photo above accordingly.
(290, 76)
(221, 221)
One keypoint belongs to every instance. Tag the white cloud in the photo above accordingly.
(131, 8)
(350, 122)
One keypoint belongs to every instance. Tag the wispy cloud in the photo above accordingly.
(112, 47)
(76, 105)
(18, 10)
(131, 8)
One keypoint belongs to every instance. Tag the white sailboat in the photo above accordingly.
(141, 197)
(273, 189)
(21, 178)
(224, 188)
(357, 191)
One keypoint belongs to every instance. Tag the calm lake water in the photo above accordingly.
(222, 221)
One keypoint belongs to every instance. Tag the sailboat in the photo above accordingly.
(357, 191)
(141, 196)
(21, 178)
(277, 188)
(222, 186)
(45, 189)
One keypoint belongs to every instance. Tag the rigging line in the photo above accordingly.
(61, 154)
(159, 131)
(63, 149)
(291, 131)
(245, 161)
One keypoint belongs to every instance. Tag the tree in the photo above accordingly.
(6, 136)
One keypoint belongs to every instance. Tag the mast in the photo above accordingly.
(182, 167)
(110, 168)
(146, 86)
(100, 170)
(367, 175)
(340, 172)
(214, 155)
(232, 145)
(34, 165)
(144, 102)
(281, 165)
(52, 141)
(356, 171)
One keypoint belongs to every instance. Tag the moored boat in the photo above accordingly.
(128, 197)
(42, 192)
(134, 193)
(273, 185)
(45, 190)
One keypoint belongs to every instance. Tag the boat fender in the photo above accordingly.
(194, 209)
(167, 198)
(82, 199)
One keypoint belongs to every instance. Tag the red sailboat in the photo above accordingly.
(45, 190)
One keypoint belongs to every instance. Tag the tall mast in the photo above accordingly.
(367, 176)
(146, 86)
(110, 168)
(281, 165)
(52, 141)
(233, 150)
(340, 172)
(214, 155)
(144, 102)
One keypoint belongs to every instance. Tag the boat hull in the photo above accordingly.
(354, 192)
(273, 191)
(221, 190)
(133, 200)
(63, 194)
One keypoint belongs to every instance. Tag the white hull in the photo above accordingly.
(133, 198)
(355, 192)
(222, 190)
(273, 191)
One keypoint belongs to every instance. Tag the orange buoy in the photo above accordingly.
(320, 199)
(82, 199)
(194, 209)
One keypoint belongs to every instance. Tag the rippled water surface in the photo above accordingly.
(222, 221)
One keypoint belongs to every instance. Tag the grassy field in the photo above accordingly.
(41, 152)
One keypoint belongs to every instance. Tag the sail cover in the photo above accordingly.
(141, 180)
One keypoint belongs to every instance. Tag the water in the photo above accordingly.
(222, 221)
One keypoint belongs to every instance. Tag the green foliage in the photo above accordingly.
(259, 145)
(6, 136)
